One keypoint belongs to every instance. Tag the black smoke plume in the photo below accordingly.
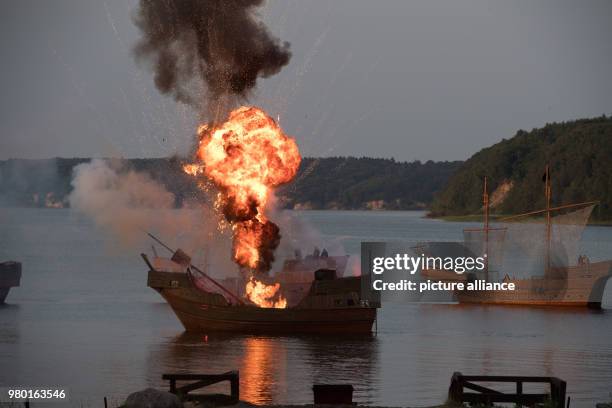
(268, 231)
(202, 51)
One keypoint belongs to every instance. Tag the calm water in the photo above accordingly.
(83, 318)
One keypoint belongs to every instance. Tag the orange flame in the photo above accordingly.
(193, 169)
(263, 295)
(246, 157)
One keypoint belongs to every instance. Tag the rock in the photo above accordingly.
(152, 398)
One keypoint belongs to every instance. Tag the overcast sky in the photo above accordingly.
(405, 79)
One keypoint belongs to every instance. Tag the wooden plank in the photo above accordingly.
(203, 380)
(508, 378)
(522, 398)
(455, 391)
(480, 388)
(201, 384)
(146, 259)
(224, 376)
(185, 389)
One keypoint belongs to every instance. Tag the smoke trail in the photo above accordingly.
(207, 50)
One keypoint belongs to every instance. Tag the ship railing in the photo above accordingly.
(201, 280)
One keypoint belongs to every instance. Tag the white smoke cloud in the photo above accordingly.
(298, 234)
(128, 204)
(117, 201)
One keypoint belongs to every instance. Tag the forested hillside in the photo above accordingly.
(366, 183)
(580, 157)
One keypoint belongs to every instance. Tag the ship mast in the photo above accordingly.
(485, 201)
(548, 210)
(547, 194)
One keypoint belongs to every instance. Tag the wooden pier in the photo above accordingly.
(488, 396)
(203, 380)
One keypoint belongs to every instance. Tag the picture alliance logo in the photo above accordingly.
(412, 264)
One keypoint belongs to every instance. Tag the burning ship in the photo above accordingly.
(246, 157)
(554, 273)
(331, 304)
(211, 55)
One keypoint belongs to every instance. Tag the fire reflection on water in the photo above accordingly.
(263, 365)
(273, 369)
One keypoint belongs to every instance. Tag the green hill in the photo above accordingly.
(580, 157)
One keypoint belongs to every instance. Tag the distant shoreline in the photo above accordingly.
(321, 183)
(446, 218)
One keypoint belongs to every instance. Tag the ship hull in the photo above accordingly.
(10, 276)
(205, 312)
(199, 319)
(3, 294)
(578, 286)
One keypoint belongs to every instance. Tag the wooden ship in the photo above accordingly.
(296, 274)
(10, 276)
(331, 304)
(573, 282)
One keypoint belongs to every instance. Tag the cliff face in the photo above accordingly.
(578, 153)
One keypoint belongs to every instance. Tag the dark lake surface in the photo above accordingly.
(84, 319)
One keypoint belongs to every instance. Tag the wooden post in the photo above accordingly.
(485, 199)
(557, 392)
(235, 386)
(548, 226)
(455, 391)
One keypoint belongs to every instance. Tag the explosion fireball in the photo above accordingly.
(247, 157)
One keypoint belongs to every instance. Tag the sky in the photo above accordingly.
(412, 80)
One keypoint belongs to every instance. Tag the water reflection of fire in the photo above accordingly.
(247, 157)
(262, 371)
(265, 295)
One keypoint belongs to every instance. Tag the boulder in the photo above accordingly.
(152, 398)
